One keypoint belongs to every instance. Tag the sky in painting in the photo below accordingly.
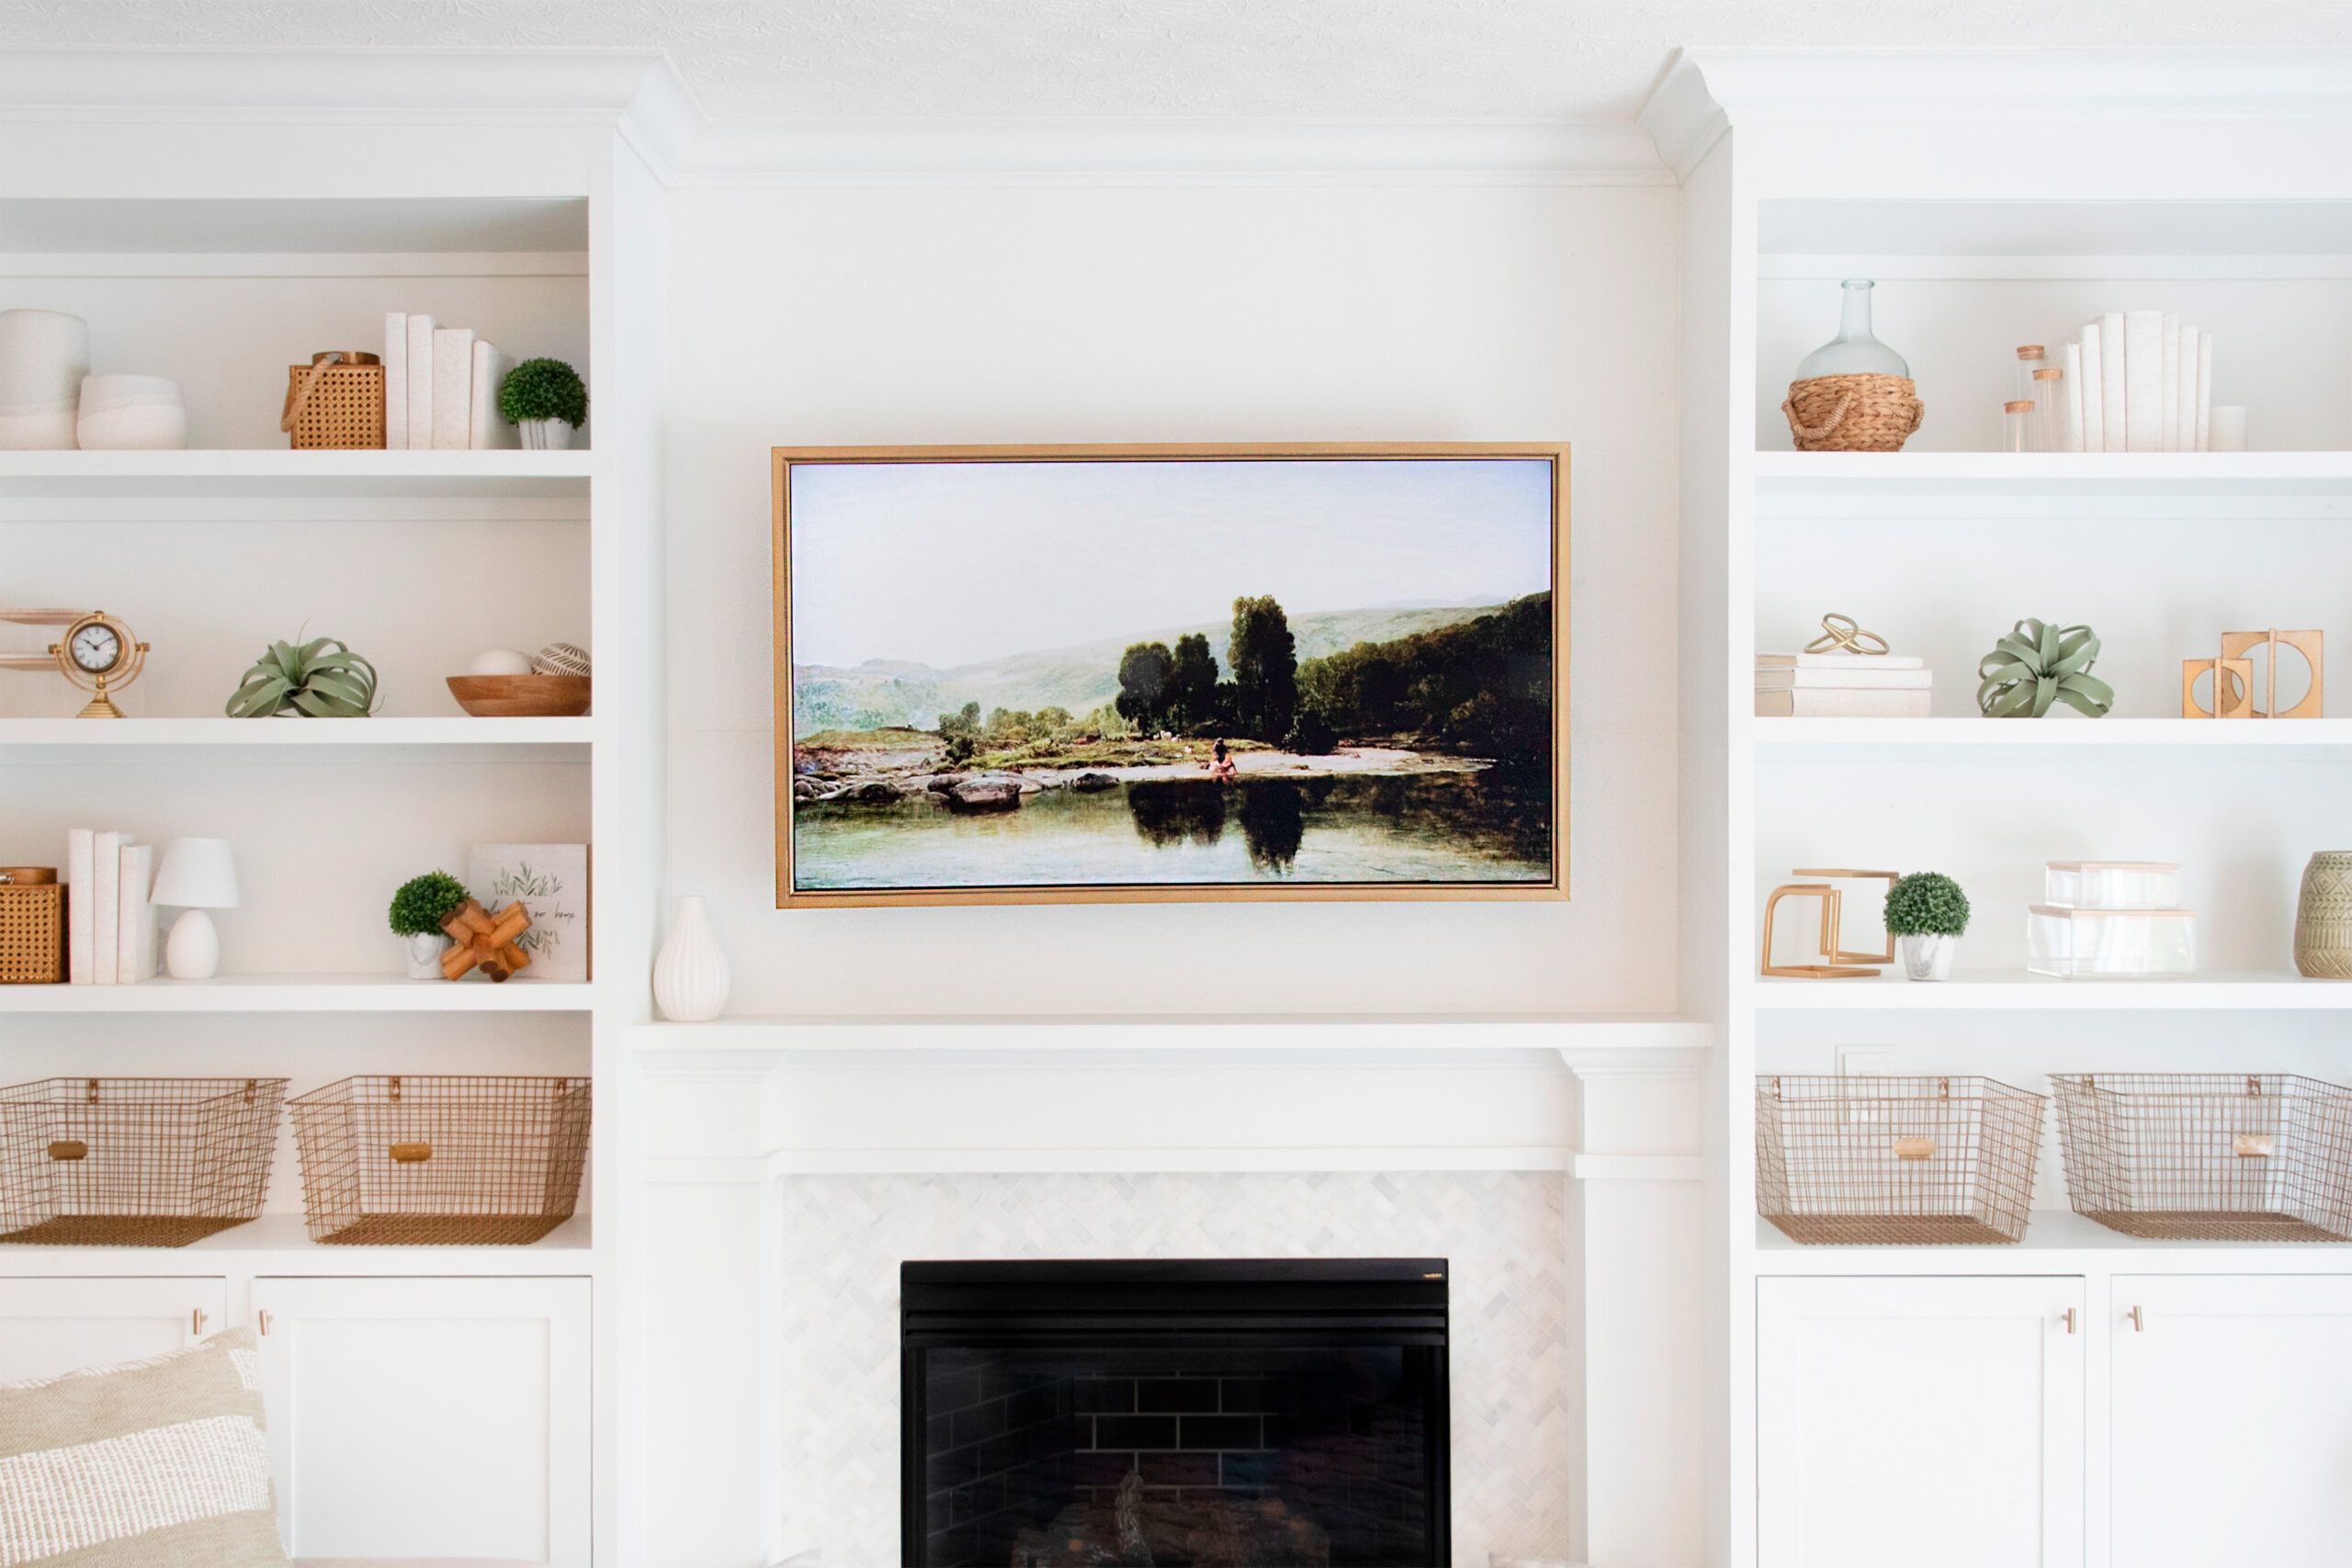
(955, 563)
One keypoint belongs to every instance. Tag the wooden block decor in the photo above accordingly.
(2311, 645)
(483, 941)
(2232, 688)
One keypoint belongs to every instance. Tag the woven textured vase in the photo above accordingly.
(2323, 918)
(1852, 414)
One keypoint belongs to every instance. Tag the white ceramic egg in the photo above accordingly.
(500, 661)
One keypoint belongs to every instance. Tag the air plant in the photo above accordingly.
(2038, 665)
(321, 679)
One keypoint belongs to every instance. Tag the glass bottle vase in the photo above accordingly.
(1854, 350)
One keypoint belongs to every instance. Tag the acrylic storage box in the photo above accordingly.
(134, 1162)
(2209, 1156)
(1898, 1161)
(2110, 944)
(435, 1161)
(2111, 885)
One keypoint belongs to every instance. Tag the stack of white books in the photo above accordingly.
(2138, 381)
(441, 386)
(110, 924)
(1841, 685)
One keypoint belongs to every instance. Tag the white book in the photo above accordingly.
(2185, 391)
(106, 903)
(2168, 392)
(488, 429)
(395, 380)
(453, 388)
(1783, 679)
(2072, 439)
(81, 907)
(2113, 383)
(1840, 661)
(136, 954)
(2092, 390)
(2144, 372)
(420, 382)
(1842, 705)
(2204, 391)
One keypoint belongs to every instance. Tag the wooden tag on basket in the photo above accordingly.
(1913, 1147)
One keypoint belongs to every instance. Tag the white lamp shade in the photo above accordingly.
(198, 873)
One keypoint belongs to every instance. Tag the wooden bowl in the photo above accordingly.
(521, 696)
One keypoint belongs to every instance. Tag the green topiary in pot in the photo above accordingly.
(2038, 665)
(419, 906)
(322, 679)
(547, 398)
(424, 902)
(1926, 913)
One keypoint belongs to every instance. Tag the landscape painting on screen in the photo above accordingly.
(1069, 673)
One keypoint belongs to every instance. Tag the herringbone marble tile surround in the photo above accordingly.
(1504, 1232)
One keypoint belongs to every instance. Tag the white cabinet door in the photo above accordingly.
(51, 1327)
(1934, 1423)
(2232, 1435)
(429, 1418)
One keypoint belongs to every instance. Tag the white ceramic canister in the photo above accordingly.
(44, 354)
(131, 414)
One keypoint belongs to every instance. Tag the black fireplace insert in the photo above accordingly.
(1211, 1414)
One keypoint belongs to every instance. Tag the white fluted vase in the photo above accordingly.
(690, 975)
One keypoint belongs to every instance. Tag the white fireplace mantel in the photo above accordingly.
(736, 1111)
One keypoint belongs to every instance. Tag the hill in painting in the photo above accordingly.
(884, 693)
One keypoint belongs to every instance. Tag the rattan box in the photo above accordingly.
(134, 1162)
(2209, 1156)
(1898, 1161)
(336, 400)
(32, 926)
(436, 1161)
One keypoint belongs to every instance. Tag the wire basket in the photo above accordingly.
(441, 1161)
(2209, 1156)
(1896, 1161)
(134, 1162)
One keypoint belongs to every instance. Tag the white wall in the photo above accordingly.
(1061, 313)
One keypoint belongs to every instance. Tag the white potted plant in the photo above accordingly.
(1926, 914)
(545, 399)
(418, 910)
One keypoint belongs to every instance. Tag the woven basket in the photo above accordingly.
(32, 926)
(337, 400)
(1852, 414)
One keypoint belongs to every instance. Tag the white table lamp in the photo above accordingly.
(198, 874)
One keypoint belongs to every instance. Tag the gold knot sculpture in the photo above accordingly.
(1843, 634)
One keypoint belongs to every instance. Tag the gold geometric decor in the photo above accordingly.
(1838, 964)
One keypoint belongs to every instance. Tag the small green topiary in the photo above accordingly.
(1926, 903)
(424, 902)
(543, 389)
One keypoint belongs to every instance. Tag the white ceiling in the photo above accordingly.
(896, 60)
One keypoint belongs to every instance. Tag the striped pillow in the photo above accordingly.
(151, 1464)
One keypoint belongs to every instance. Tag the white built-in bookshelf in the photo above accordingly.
(2000, 200)
(204, 245)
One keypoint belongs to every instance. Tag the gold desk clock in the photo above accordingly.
(97, 653)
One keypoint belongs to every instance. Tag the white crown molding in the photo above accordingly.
(583, 84)
(1704, 92)
(1608, 152)
(641, 94)
(1680, 116)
